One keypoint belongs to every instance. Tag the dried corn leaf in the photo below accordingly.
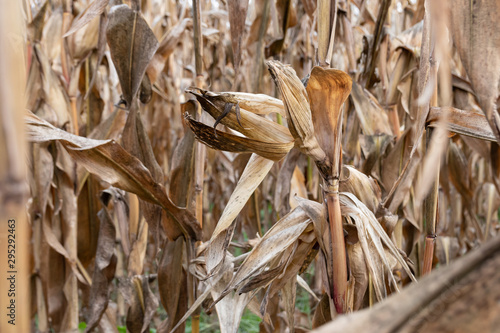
(324, 29)
(459, 172)
(138, 251)
(150, 305)
(374, 148)
(372, 116)
(318, 214)
(35, 27)
(257, 103)
(237, 144)
(281, 235)
(167, 46)
(362, 186)
(327, 90)
(289, 295)
(136, 141)
(54, 93)
(95, 9)
(476, 35)
(105, 266)
(53, 27)
(108, 160)
(237, 12)
(52, 239)
(230, 308)
(359, 271)
(468, 123)
(81, 43)
(67, 215)
(252, 125)
(470, 282)
(182, 169)
(170, 274)
(410, 39)
(255, 171)
(295, 258)
(297, 108)
(211, 282)
(367, 224)
(143, 304)
(132, 45)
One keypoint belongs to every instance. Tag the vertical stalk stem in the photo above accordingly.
(200, 155)
(333, 25)
(259, 59)
(430, 210)
(430, 240)
(338, 250)
(197, 39)
(374, 47)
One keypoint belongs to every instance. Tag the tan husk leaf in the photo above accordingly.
(237, 144)
(257, 103)
(252, 125)
(297, 108)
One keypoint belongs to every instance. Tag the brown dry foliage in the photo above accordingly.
(252, 152)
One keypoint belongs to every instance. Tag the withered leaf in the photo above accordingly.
(167, 46)
(362, 186)
(143, 304)
(255, 171)
(372, 116)
(82, 42)
(249, 124)
(230, 308)
(297, 108)
(233, 143)
(237, 10)
(322, 313)
(282, 235)
(470, 282)
(327, 90)
(109, 161)
(476, 34)
(95, 9)
(468, 123)
(136, 141)
(170, 274)
(182, 169)
(132, 45)
(35, 27)
(105, 265)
